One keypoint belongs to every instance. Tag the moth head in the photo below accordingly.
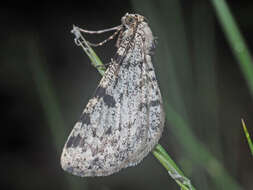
(131, 20)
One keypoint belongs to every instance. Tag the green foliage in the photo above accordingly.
(190, 97)
(247, 136)
(235, 39)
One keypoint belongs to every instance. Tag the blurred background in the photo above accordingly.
(46, 81)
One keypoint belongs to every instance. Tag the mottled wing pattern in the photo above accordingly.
(123, 121)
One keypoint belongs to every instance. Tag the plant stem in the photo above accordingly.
(235, 40)
(247, 136)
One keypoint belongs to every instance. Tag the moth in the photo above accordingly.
(124, 120)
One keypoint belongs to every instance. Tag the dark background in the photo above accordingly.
(46, 80)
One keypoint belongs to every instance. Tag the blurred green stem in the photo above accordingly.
(199, 152)
(172, 168)
(50, 105)
(247, 136)
(235, 40)
(47, 96)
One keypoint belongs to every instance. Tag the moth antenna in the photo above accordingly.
(100, 31)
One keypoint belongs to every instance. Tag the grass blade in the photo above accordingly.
(50, 105)
(247, 136)
(235, 40)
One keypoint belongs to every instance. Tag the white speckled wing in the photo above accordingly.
(124, 120)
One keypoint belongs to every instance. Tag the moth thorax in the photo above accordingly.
(131, 20)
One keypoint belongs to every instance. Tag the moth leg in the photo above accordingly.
(118, 28)
(77, 31)
(105, 41)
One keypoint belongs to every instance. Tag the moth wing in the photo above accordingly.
(121, 123)
(86, 151)
(109, 131)
(118, 125)
(152, 106)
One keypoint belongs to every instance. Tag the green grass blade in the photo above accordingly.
(235, 40)
(50, 105)
(47, 96)
(247, 136)
(95, 60)
(161, 150)
(172, 168)
(199, 152)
